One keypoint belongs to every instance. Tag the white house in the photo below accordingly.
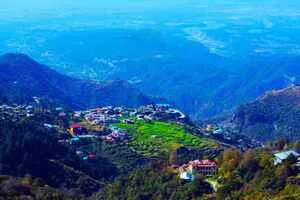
(281, 156)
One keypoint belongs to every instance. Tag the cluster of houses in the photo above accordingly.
(16, 111)
(103, 115)
(163, 112)
(110, 114)
(203, 167)
(77, 130)
(107, 116)
(79, 133)
(116, 135)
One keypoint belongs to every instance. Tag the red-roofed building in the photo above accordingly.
(75, 126)
(77, 129)
(91, 156)
(204, 167)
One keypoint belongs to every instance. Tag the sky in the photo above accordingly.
(69, 4)
(40, 5)
(48, 8)
(38, 8)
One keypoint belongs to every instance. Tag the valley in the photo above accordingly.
(149, 100)
(88, 153)
(228, 51)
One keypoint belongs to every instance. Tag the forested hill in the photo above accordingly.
(22, 78)
(28, 149)
(273, 115)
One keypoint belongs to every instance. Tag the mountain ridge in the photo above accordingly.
(271, 116)
(23, 78)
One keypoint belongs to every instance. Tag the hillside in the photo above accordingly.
(273, 115)
(161, 137)
(253, 175)
(29, 149)
(132, 157)
(22, 78)
(28, 188)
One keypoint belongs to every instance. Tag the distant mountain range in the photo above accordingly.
(203, 72)
(275, 114)
(22, 78)
(213, 86)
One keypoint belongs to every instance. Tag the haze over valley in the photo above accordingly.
(156, 45)
(150, 99)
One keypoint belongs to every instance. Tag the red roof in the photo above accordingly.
(91, 156)
(203, 163)
(75, 126)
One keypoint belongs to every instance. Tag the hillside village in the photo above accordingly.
(83, 126)
(99, 122)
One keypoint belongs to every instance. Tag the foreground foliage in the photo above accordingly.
(252, 175)
(154, 183)
(28, 188)
(26, 148)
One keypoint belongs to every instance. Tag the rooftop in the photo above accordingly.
(200, 163)
(285, 154)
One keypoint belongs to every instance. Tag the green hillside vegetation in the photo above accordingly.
(28, 149)
(121, 157)
(248, 175)
(28, 188)
(154, 138)
(154, 183)
(252, 175)
(274, 115)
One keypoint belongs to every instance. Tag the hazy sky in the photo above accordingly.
(11, 8)
(50, 4)
(37, 8)
(125, 4)
(222, 26)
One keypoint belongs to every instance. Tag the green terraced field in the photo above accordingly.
(154, 138)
